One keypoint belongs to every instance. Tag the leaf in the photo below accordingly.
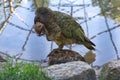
(90, 57)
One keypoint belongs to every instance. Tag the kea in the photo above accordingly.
(60, 28)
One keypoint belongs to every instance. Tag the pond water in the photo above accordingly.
(37, 48)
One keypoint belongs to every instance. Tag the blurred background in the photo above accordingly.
(100, 20)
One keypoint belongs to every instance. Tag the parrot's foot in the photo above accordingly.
(57, 49)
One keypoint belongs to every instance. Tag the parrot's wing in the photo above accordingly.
(72, 30)
(69, 27)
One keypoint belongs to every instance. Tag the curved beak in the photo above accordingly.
(38, 27)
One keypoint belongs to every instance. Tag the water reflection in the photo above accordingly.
(12, 39)
(111, 8)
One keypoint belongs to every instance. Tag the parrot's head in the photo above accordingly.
(43, 16)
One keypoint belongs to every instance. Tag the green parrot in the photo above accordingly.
(60, 28)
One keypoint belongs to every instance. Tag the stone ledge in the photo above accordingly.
(76, 70)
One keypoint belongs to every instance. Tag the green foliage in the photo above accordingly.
(23, 71)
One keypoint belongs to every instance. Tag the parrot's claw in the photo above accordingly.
(57, 49)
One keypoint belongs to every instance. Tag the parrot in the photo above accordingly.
(60, 28)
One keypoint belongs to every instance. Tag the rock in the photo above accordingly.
(63, 56)
(76, 70)
(97, 71)
(90, 57)
(111, 71)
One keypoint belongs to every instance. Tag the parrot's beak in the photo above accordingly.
(38, 27)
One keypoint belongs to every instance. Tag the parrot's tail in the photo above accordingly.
(89, 44)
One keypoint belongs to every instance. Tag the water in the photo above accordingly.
(37, 48)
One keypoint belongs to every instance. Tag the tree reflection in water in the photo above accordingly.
(97, 17)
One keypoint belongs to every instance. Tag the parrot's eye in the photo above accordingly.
(46, 15)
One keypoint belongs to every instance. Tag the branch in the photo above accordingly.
(2, 27)
(18, 58)
(19, 27)
(110, 34)
(39, 61)
(3, 2)
(25, 7)
(4, 8)
(5, 54)
(12, 10)
(104, 11)
(105, 31)
(85, 16)
(27, 38)
(7, 19)
(21, 19)
(24, 29)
